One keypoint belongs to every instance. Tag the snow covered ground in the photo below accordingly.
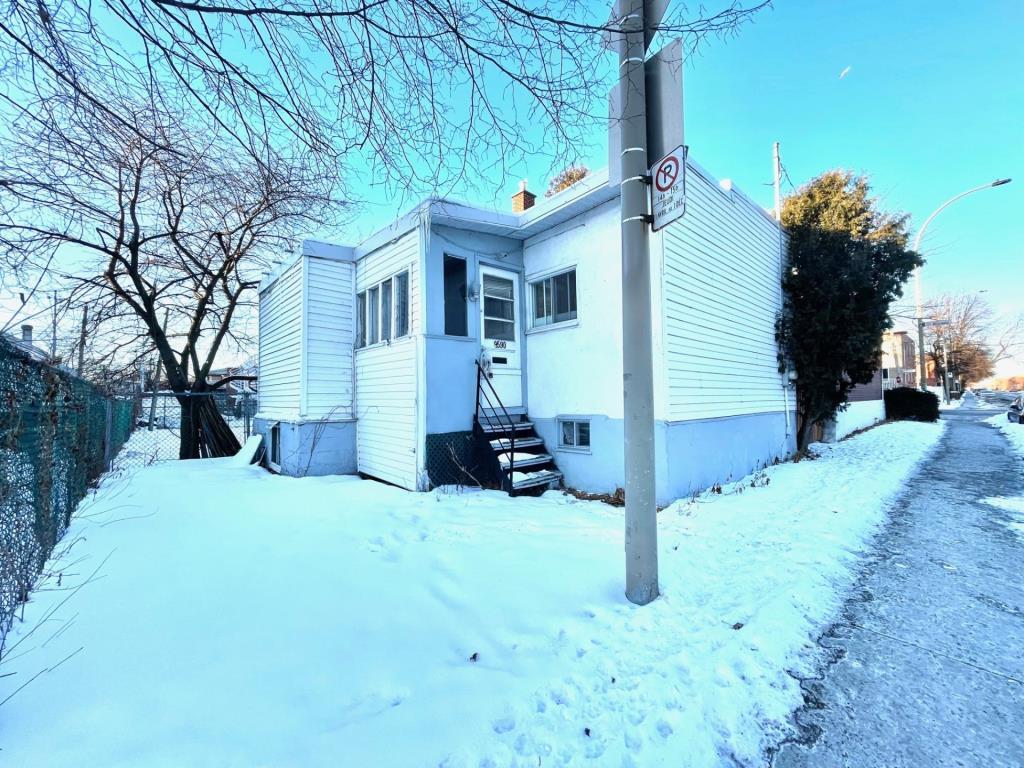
(1013, 504)
(209, 614)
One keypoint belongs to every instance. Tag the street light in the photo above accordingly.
(917, 274)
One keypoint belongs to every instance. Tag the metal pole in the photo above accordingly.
(637, 361)
(778, 183)
(108, 432)
(945, 373)
(923, 372)
(917, 271)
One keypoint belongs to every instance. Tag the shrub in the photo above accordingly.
(907, 403)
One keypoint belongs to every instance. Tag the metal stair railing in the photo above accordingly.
(481, 379)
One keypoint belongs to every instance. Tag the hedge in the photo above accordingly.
(909, 404)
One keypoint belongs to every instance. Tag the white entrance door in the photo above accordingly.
(501, 332)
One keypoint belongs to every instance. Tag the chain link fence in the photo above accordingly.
(58, 434)
(157, 424)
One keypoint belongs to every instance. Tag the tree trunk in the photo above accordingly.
(204, 431)
(804, 433)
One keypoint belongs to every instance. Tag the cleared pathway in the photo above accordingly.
(927, 662)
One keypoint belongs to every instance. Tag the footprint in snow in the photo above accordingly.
(504, 724)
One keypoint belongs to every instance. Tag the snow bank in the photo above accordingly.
(217, 615)
(1014, 432)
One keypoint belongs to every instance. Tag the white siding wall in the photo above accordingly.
(562, 359)
(386, 375)
(721, 293)
(330, 336)
(280, 345)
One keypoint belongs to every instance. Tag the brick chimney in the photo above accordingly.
(522, 199)
(26, 333)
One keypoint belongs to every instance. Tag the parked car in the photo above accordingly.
(1016, 412)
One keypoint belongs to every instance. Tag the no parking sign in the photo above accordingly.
(668, 188)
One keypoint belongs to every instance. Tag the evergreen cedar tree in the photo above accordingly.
(566, 179)
(847, 262)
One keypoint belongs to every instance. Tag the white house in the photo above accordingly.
(368, 354)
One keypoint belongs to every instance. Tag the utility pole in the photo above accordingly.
(923, 365)
(777, 179)
(777, 183)
(637, 359)
(81, 339)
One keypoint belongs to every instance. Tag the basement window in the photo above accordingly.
(274, 459)
(554, 299)
(574, 434)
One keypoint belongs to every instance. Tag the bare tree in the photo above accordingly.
(158, 149)
(150, 222)
(565, 179)
(967, 338)
(422, 88)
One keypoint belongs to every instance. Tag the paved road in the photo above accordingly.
(928, 660)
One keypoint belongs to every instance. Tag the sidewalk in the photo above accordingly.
(929, 652)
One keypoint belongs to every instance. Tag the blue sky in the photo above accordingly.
(932, 105)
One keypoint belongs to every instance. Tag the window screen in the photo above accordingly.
(373, 315)
(385, 310)
(401, 304)
(361, 319)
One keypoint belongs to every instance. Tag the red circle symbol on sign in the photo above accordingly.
(666, 174)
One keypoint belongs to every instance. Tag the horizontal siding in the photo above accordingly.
(330, 337)
(280, 345)
(721, 295)
(385, 407)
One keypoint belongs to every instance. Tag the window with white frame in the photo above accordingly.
(382, 311)
(574, 433)
(361, 319)
(401, 281)
(373, 315)
(553, 299)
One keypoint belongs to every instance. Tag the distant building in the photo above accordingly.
(899, 360)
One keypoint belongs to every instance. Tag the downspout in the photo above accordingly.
(422, 479)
